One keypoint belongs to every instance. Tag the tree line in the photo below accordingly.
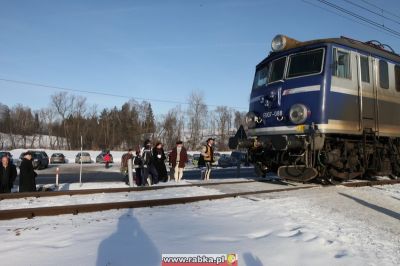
(61, 124)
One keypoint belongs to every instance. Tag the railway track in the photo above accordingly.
(40, 194)
(95, 207)
(84, 208)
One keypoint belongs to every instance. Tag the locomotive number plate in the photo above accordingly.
(273, 114)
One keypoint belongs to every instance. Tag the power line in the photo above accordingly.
(371, 11)
(105, 94)
(369, 21)
(348, 18)
(380, 8)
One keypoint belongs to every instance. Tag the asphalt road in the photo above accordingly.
(69, 173)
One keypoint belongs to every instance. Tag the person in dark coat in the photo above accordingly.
(159, 162)
(27, 176)
(149, 169)
(8, 174)
(138, 165)
(177, 159)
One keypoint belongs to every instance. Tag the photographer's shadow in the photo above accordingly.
(129, 245)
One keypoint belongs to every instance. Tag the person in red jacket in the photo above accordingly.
(177, 159)
(107, 159)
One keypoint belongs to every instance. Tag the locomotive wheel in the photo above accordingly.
(299, 173)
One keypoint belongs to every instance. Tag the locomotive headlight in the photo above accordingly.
(298, 113)
(278, 43)
(252, 120)
(281, 42)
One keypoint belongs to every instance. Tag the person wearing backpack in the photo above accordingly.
(207, 158)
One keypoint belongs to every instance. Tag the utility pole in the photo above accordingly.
(80, 158)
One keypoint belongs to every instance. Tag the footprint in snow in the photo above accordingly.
(307, 237)
(258, 235)
(289, 234)
(341, 254)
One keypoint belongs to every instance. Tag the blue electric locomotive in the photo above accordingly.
(327, 109)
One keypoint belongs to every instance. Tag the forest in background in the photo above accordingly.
(69, 116)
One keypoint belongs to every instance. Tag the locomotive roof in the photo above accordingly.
(347, 42)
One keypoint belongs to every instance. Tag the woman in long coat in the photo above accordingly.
(159, 162)
(27, 176)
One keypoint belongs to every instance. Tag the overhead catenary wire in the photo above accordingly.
(380, 8)
(347, 17)
(105, 93)
(362, 18)
(371, 11)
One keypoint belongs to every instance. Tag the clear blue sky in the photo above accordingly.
(156, 49)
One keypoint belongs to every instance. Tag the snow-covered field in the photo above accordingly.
(319, 226)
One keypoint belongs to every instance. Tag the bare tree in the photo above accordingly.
(46, 116)
(197, 113)
(22, 123)
(224, 118)
(240, 119)
(63, 104)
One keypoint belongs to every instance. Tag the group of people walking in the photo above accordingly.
(150, 167)
(8, 174)
(149, 163)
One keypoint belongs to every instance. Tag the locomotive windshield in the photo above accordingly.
(305, 63)
(300, 64)
(277, 69)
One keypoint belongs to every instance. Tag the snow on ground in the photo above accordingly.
(319, 226)
(105, 197)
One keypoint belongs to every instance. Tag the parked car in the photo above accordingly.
(195, 159)
(40, 160)
(190, 158)
(84, 157)
(57, 158)
(227, 161)
(100, 157)
(240, 155)
(217, 155)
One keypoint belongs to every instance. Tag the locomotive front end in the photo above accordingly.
(286, 104)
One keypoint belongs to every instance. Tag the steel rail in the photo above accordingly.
(39, 194)
(95, 207)
(371, 183)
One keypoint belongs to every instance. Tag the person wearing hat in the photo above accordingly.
(27, 175)
(177, 159)
(207, 152)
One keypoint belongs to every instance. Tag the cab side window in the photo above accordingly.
(383, 74)
(397, 77)
(342, 65)
(364, 69)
